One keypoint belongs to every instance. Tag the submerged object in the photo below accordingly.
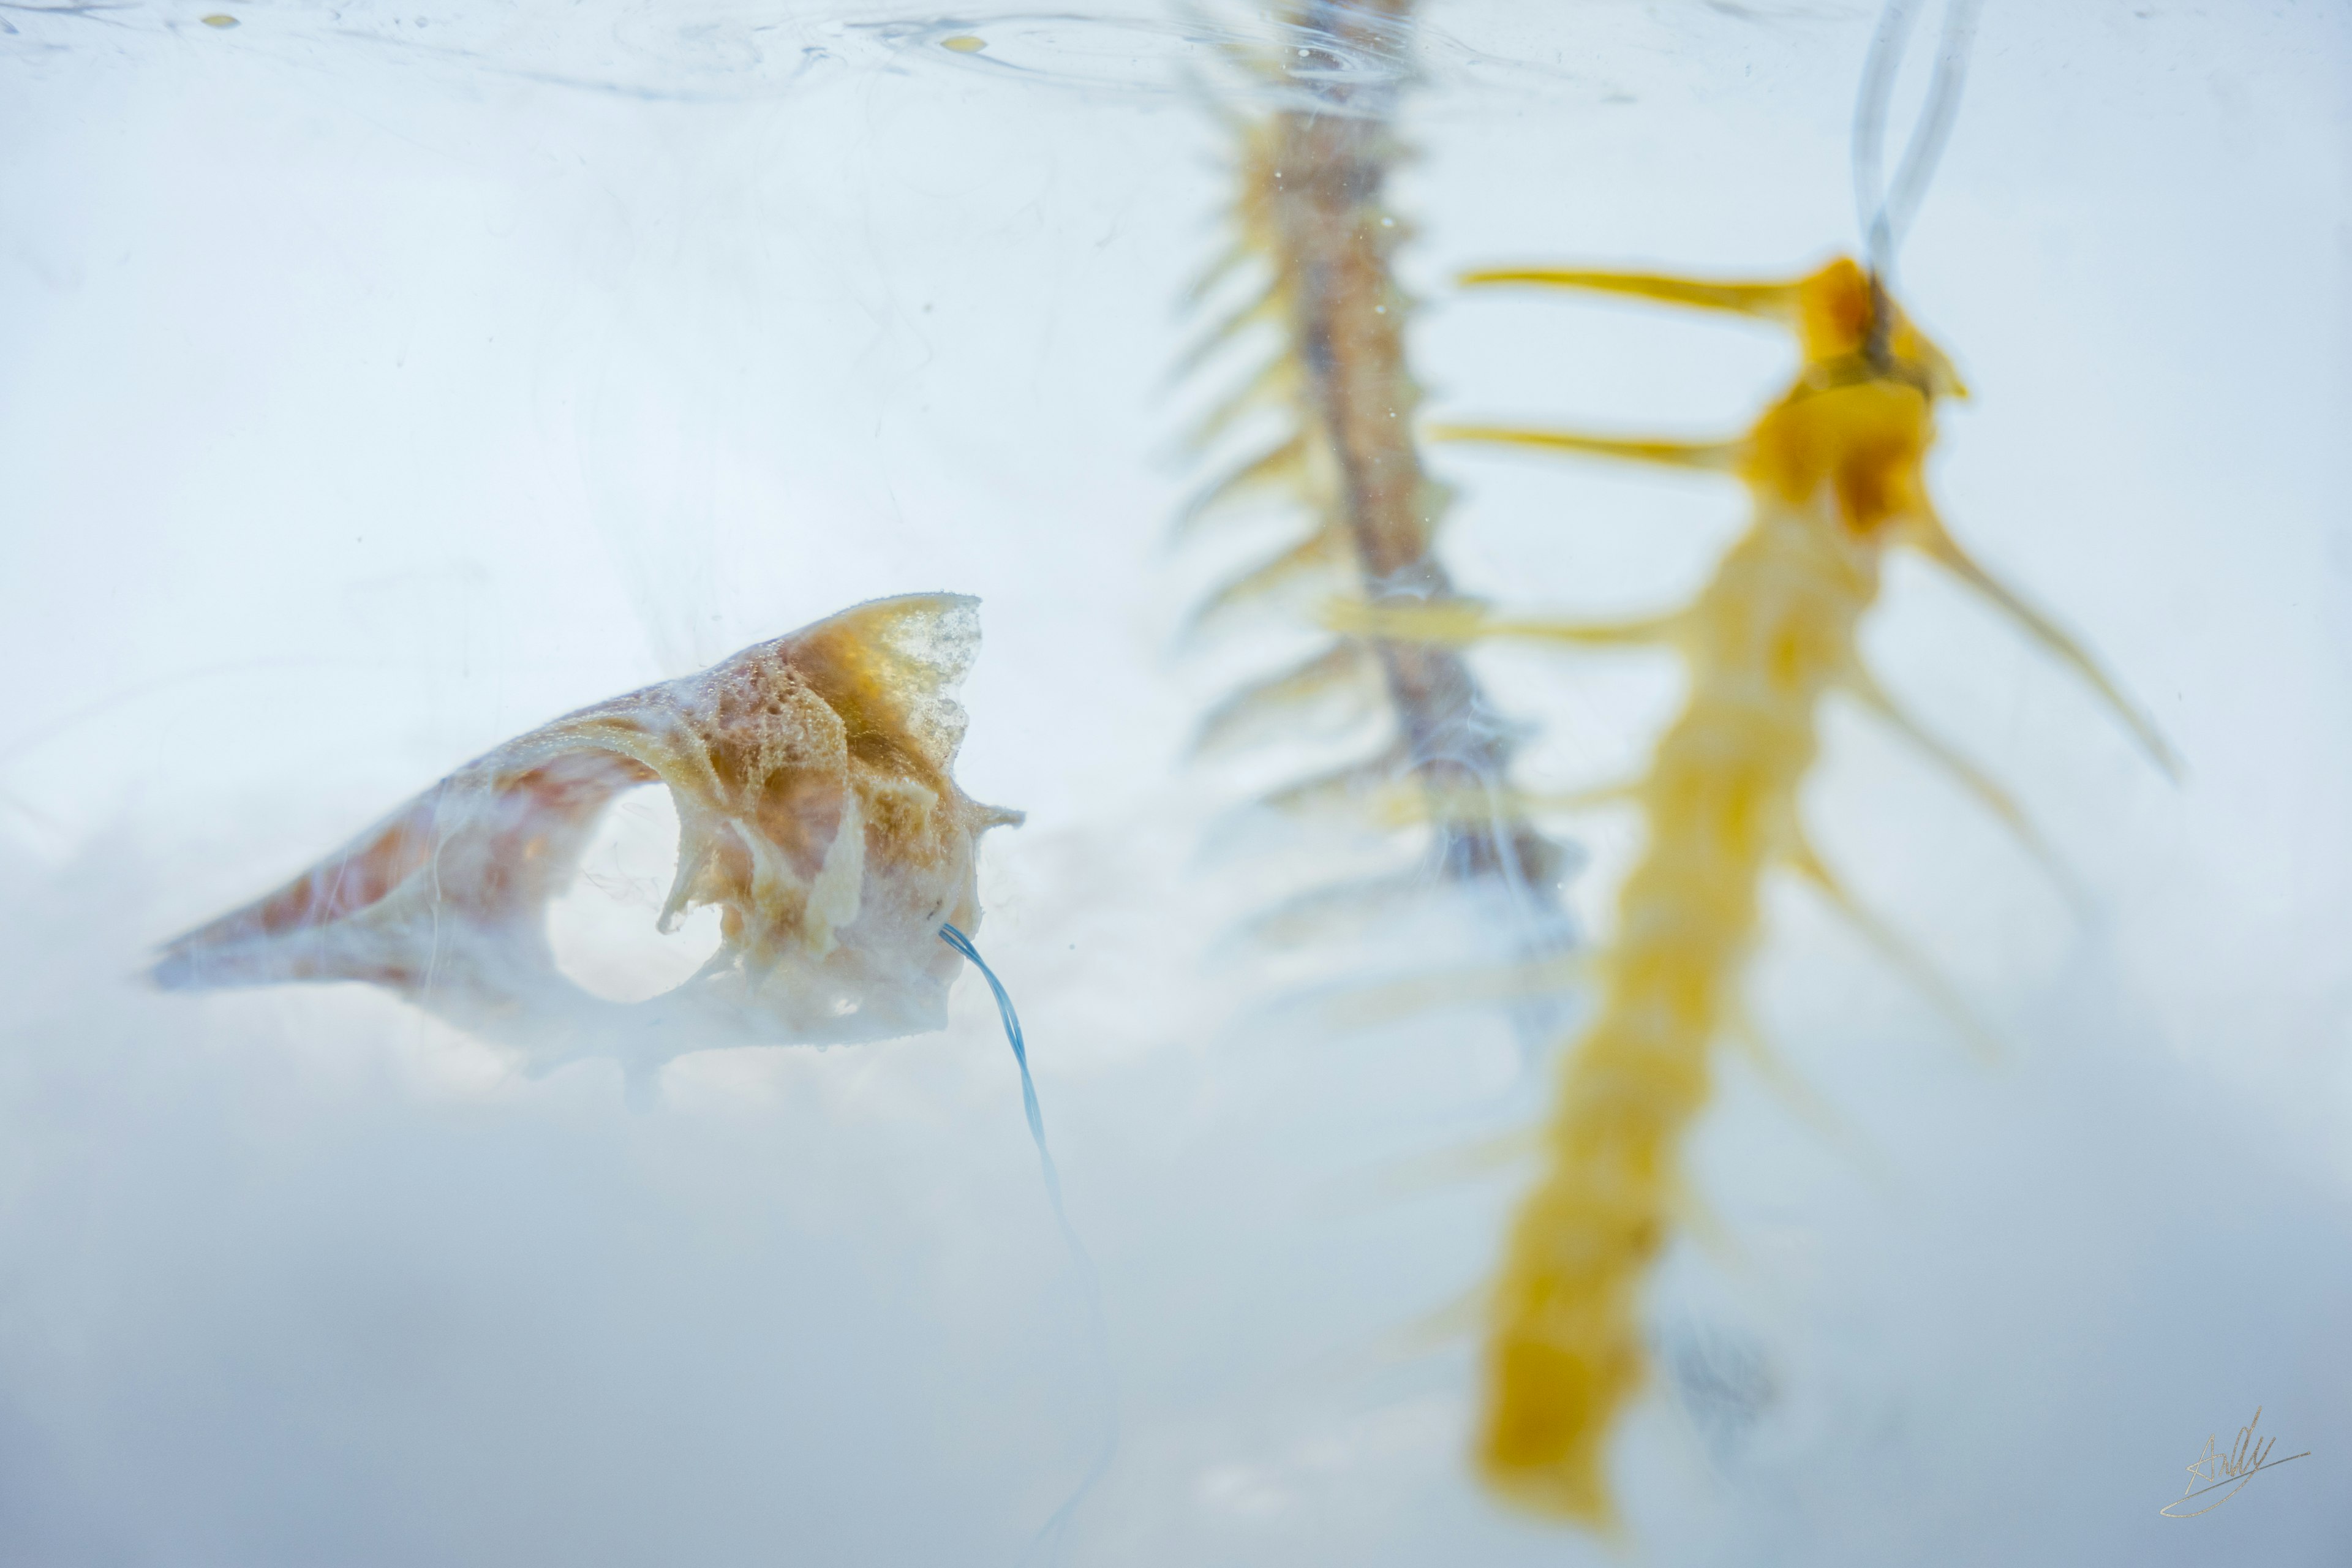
(1312, 242)
(1834, 471)
(817, 811)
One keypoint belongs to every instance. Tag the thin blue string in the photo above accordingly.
(962, 944)
(1051, 1534)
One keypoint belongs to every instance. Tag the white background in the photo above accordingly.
(376, 383)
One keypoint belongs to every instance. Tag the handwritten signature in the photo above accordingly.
(2248, 1457)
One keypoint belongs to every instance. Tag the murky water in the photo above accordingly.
(378, 382)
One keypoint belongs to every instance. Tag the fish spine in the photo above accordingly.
(1769, 636)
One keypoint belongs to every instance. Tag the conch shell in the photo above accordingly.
(816, 810)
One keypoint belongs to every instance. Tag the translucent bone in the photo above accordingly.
(1343, 677)
(1896, 950)
(1536, 978)
(816, 811)
(1321, 551)
(1395, 806)
(1278, 468)
(1928, 535)
(1459, 622)
(1864, 688)
(1706, 457)
(1772, 301)
(1318, 410)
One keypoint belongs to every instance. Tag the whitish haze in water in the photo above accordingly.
(377, 382)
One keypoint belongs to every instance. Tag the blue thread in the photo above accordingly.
(962, 944)
(1051, 1534)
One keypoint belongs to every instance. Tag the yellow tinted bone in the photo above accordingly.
(1769, 301)
(1706, 457)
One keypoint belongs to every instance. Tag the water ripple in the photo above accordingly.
(735, 51)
